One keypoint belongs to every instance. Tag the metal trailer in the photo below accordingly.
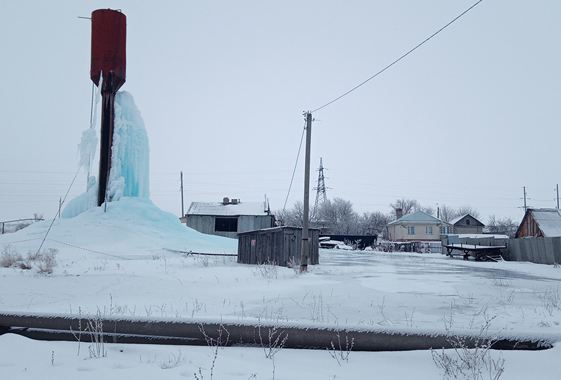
(479, 252)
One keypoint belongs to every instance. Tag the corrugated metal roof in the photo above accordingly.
(548, 220)
(417, 217)
(220, 209)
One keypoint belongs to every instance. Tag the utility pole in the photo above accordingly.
(182, 208)
(557, 188)
(525, 207)
(59, 206)
(304, 250)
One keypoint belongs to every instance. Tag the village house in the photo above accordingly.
(466, 224)
(417, 226)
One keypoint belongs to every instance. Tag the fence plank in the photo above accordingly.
(548, 251)
(556, 244)
(517, 249)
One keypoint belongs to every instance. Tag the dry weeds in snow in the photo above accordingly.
(465, 363)
(43, 261)
(215, 344)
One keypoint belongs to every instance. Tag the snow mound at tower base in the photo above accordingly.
(129, 228)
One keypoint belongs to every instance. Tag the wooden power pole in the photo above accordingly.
(182, 208)
(305, 242)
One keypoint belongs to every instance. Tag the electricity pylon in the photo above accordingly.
(321, 194)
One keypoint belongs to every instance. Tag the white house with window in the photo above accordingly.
(417, 226)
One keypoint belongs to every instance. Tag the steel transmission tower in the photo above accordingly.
(321, 194)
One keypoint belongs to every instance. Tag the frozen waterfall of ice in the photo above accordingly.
(129, 158)
(130, 152)
(88, 143)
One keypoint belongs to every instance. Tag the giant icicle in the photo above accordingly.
(130, 151)
(130, 159)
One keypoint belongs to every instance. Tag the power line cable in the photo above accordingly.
(295, 165)
(49, 230)
(400, 58)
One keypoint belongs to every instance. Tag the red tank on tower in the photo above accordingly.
(109, 61)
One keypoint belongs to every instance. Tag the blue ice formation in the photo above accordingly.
(130, 152)
(130, 159)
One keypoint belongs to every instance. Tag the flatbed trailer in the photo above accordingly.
(479, 252)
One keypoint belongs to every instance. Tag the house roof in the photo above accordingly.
(548, 220)
(230, 209)
(419, 217)
(459, 218)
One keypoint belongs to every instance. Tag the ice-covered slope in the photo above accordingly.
(130, 227)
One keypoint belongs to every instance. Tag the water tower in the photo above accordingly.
(108, 66)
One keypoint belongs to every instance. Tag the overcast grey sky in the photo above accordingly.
(468, 119)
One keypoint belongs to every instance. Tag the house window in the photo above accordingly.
(226, 224)
(445, 230)
(411, 230)
(428, 230)
(467, 222)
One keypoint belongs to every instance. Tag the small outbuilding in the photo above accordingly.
(229, 217)
(540, 222)
(280, 245)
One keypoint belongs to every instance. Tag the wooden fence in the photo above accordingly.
(546, 250)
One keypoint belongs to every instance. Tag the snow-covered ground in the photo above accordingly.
(124, 262)
(22, 358)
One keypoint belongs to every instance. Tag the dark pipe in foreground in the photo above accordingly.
(138, 330)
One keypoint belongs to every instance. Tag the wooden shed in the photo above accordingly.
(280, 245)
(540, 222)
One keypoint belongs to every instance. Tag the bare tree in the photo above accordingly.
(447, 213)
(407, 206)
(428, 209)
(463, 210)
(281, 216)
(505, 226)
(339, 216)
(293, 217)
(508, 226)
(374, 223)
